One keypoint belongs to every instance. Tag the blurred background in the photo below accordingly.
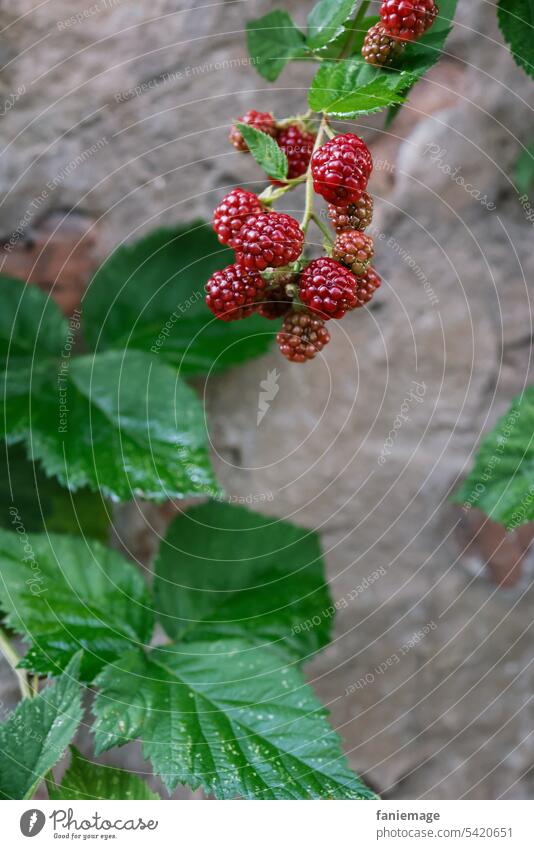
(114, 119)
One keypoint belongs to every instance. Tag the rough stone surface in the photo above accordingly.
(447, 714)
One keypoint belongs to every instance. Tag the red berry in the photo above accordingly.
(275, 304)
(341, 169)
(407, 19)
(233, 292)
(379, 48)
(328, 288)
(298, 147)
(302, 336)
(269, 240)
(232, 212)
(262, 121)
(367, 284)
(354, 249)
(356, 216)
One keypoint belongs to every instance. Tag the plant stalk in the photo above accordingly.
(13, 659)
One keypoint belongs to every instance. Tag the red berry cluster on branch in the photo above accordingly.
(401, 21)
(271, 276)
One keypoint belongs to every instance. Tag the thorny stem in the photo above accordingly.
(13, 659)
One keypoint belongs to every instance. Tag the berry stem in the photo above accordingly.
(322, 227)
(347, 50)
(13, 659)
(308, 208)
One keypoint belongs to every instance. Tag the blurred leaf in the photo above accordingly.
(225, 571)
(516, 20)
(41, 503)
(125, 425)
(326, 20)
(64, 594)
(524, 170)
(269, 156)
(87, 780)
(37, 733)
(273, 41)
(31, 325)
(501, 483)
(150, 296)
(227, 716)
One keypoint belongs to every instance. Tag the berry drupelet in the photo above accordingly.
(268, 240)
(232, 293)
(341, 169)
(355, 216)
(263, 121)
(298, 147)
(328, 288)
(407, 19)
(302, 336)
(380, 48)
(366, 286)
(233, 211)
(354, 249)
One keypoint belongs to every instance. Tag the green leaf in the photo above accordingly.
(524, 170)
(37, 733)
(419, 56)
(31, 325)
(65, 594)
(326, 20)
(273, 41)
(516, 20)
(30, 498)
(225, 571)
(265, 151)
(87, 780)
(150, 296)
(502, 481)
(121, 422)
(227, 716)
(351, 88)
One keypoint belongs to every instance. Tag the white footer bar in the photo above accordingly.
(269, 825)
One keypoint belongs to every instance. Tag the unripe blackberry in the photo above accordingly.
(408, 19)
(269, 240)
(298, 147)
(328, 288)
(366, 286)
(233, 211)
(354, 249)
(341, 169)
(232, 292)
(302, 336)
(355, 216)
(381, 49)
(262, 121)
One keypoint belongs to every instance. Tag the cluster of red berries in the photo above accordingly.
(270, 276)
(400, 21)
